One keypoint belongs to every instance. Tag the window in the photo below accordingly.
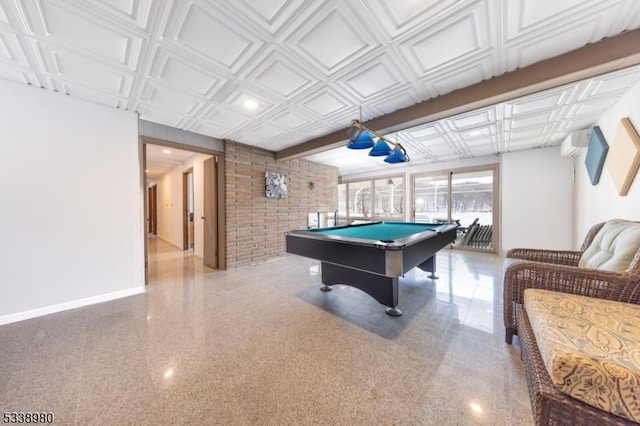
(373, 199)
(342, 202)
(389, 199)
(465, 196)
(431, 198)
(359, 201)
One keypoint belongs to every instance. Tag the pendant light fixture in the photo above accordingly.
(360, 137)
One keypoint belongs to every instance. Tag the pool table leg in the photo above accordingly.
(382, 288)
(394, 312)
(429, 265)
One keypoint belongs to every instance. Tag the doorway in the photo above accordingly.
(185, 200)
(468, 197)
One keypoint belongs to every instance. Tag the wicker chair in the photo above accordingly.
(558, 271)
(550, 406)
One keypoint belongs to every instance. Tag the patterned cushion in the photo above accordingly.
(591, 348)
(614, 247)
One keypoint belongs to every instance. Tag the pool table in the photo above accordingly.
(372, 256)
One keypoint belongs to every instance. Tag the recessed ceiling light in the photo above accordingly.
(475, 133)
(250, 104)
(166, 151)
(146, 170)
(476, 407)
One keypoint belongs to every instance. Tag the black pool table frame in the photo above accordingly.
(371, 266)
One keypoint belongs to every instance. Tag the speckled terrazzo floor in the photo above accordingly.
(263, 345)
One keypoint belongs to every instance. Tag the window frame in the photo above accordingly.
(349, 218)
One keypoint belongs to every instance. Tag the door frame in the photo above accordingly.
(185, 206)
(153, 209)
(220, 196)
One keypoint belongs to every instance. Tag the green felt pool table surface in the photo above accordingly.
(384, 231)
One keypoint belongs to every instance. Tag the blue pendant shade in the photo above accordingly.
(380, 148)
(398, 155)
(361, 140)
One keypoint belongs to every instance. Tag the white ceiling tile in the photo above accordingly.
(240, 96)
(134, 11)
(531, 120)
(536, 12)
(82, 71)
(372, 80)
(271, 15)
(309, 132)
(396, 101)
(482, 149)
(594, 106)
(225, 118)
(156, 115)
(547, 101)
(580, 122)
(282, 76)
(437, 146)
(327, 37)
(266, 131)
(612, 84)
(4, 19)
(425, 131)
(325, 103)
(170, 99)
(18, 75)
(182, 74)
(400, 17)
(478, 133)
(402, 11)
(436, 49)
(282, 79)
(457, 79)
(268, 9)
(546, 46)
(209, 129)
(332, 41)
(87, 93)
(473, 119)
(214, 37)
(289, 120)
(61, 23)
(11, 51)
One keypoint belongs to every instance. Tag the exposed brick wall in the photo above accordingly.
(256, 224)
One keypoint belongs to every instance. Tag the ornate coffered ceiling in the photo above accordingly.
(309, 65)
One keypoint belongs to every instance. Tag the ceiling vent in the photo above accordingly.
(575, 143)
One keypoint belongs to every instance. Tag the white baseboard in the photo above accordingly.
(33, 313)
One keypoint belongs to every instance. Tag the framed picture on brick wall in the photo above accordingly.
(276, 185)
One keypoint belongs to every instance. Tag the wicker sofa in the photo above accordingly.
(550, 405)
(559, 271)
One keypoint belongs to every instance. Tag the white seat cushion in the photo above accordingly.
(614, 247)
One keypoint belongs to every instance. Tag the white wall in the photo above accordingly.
(536, 199)
(169, 187)
(71, 215)
(601, 202)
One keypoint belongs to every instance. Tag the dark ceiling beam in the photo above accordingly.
(607, 55)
